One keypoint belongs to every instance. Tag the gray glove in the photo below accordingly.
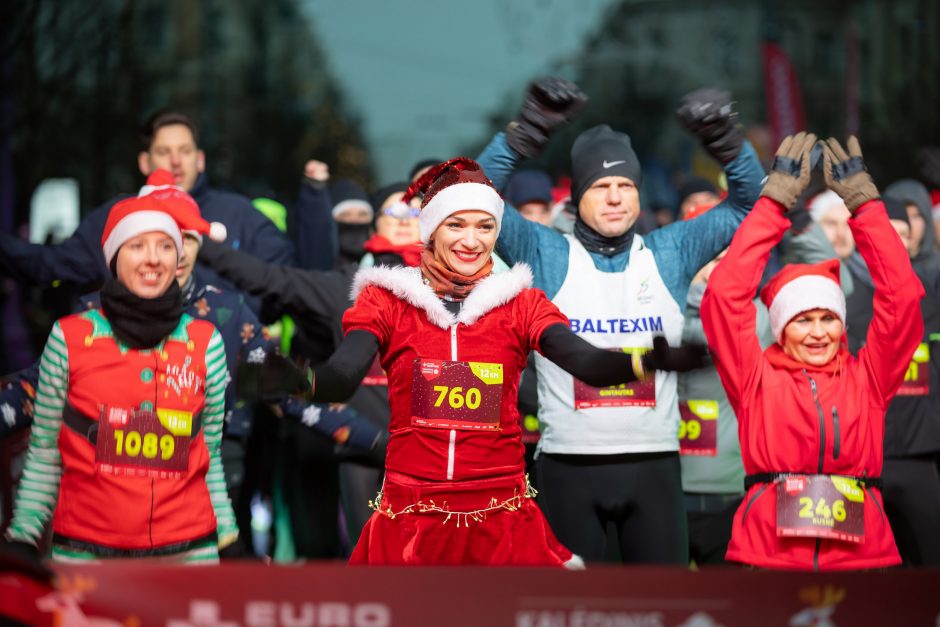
(845, 173)
(790, 172)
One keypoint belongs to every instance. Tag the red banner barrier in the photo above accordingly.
(782, 92)
(328, 595)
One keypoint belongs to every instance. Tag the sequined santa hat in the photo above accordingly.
(801, 287)
(161, 185)
(165, 208)
(455, 185)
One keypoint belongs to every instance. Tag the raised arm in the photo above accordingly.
(312, 226)
(77, 259)
(897, 326)
(299, 291)
(727, 312)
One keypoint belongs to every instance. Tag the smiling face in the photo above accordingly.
(610, 206)
(813, 336)
(146, 264)
(464, 241)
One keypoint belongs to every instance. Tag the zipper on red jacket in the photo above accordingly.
(836, 438)
(452, 445)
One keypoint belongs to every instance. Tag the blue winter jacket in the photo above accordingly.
(680, 249)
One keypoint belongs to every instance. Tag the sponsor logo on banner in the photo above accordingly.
(207, 613)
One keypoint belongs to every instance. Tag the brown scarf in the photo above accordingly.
(449, 284)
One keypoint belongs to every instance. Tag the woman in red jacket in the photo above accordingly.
(453, 339)
(810, 414)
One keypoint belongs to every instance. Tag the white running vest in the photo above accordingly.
(611, 310)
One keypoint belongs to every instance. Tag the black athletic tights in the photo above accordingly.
(639, 494)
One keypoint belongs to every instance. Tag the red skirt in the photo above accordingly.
(493, 522)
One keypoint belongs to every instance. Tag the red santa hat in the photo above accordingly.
(167, 210)
(801, 287)
(161, 185)
(449, 187)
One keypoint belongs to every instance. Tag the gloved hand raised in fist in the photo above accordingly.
(790, 172)
(845, 173)
(549, 103)
(709, 114)
(675, 359)
(271, 380)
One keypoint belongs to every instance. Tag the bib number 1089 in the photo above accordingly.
(132, 444)
(456, 398)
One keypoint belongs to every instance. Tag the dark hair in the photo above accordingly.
(165, 117)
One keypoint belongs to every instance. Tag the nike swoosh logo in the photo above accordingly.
(610, 164)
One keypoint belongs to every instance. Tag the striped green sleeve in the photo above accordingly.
(39, 488)
(213, 414)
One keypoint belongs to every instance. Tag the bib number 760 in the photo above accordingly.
(456, 398)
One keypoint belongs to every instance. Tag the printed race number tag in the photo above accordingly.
(698, 428)
(376, 375)
(144, 443)
(917, 378)
(636, 394)
(821, 506)
(456, 394)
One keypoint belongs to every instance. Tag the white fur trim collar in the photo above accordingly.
(408, 285)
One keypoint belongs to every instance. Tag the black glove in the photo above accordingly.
(23, 558)
(549, 103)
(709, 114)
(237, 550)
(676, 359)
(800, 218)
(273, 379)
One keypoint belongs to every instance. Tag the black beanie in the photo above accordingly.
(383, 193)
(347, 193)
(695, 185)
(896, 208)
(600, 152)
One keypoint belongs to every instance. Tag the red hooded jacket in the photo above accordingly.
(804, 419)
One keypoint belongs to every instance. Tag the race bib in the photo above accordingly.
(376, 375)
(636, 394)
(917, 378)
(144, 443)
(698, 428)
(821, 506)
(456, 394)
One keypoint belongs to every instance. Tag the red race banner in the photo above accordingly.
(333, 595)
(782, 90)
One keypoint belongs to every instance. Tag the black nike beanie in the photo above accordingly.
(600, 152)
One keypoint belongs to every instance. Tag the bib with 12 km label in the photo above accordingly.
(698, 428)
(821, 506)
(144, 443)
(456, 394)
(636, 394)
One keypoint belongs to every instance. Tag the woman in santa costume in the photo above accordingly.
(810, 414)
(453, 338)
(124, 452)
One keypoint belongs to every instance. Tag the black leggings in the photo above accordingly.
(639, 494)
(912, 502)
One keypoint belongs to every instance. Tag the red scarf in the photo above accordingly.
(446, 282)
(780, 359)
(409, 253)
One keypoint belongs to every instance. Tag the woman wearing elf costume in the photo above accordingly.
(810, 414)
(124, 453)
(454, 338)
